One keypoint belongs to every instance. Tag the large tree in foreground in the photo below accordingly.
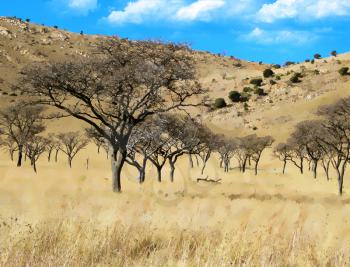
(117, 89)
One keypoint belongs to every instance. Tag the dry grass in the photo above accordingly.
(76, 243)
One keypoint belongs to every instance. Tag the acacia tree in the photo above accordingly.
(52, 145)
(118, 89)
(35, 147)
(337, 139)
(9, 146)
(308, 134)
(255, 146)
(226, 147)
(298, 154)
(182, 133)
(19, 123)
(71, 144)
(142, 145)
(283, 152)
(206, 145)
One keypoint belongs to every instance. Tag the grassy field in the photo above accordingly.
(70, 217)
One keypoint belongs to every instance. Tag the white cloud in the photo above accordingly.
(265, 37)
(304, 9)
(200, 9)
(82, 5)
(139, 11)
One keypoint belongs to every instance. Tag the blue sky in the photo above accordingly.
(272, 31)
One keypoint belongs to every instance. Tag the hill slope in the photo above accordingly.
(284, 103)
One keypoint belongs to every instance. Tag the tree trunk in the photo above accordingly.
(315, 168)
(142, 171)
(256, 167)
(284, 166)
(172, 170)
(70, 162)
(118, 159)
(56, 155)
(20, 155)
(11, 154)
(49, 156)
(34, 166)
(190, 160)
(326, 169)
(159, 173)
(244, 165)
(301, 166)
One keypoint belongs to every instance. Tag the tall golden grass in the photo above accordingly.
(79, 243)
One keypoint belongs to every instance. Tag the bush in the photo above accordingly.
(268, 73)
(247, 89)
(334, 53)
(278, 77)
(259, 91)
(234, 96)
(28, 20)
(277, 66)
(257, 81)
(312, 61)
(246, 106)
(272, 82)
(344, 71)
(219, 103)
(244, 97)
(317, 72)
(317, 56)
(288, 63)
(307, 60)
(295, 78)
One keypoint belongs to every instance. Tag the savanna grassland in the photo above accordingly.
(62, 216)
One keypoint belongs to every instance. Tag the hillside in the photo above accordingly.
(285, 103)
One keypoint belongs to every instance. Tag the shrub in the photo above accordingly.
(317, 72)
(295, 78)
(259, 91)
(288, 63)
(307, 60)
(257, 81)
(234, 96)
(246, 106)
(334, 53)
(81, 33)
(344, 71)
(244, 97)
(317, 56)
(247, 89)
(272, 82)
(277, 66)
(55, 26)
(27, 20)
(268, 73)
(220, 103)
(278, 77)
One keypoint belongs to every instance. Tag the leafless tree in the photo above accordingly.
(337, 139)
(52, 145)
(298, 153)
(183, 133)
(308, 134)
(255, 146)
(117, 89)
(9, 146)
(226, 147)
(71, 144)
(19, 123)
(35, 147)
(283, 152)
